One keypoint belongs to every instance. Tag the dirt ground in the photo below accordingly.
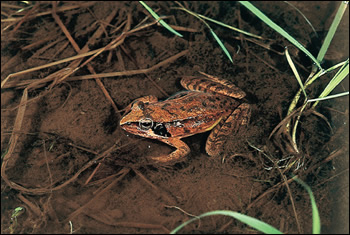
(73, 169)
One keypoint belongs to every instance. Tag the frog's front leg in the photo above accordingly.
(181, 151)
(238, 118)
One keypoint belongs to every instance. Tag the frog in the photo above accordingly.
(209, 103)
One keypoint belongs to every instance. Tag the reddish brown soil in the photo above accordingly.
(74, 122)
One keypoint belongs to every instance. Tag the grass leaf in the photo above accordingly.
(281, 31)
(338, 77)
(332, 30)
(316, 222)
(162, 22)
(212, 32)
(329, 97)
(230, 27)
(221, 45)
(255, 223)
(295, 71)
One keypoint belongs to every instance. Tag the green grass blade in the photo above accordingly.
(316, 222)
(295, 71)
(334, 67)
(229, 26)
(221, 45)
(332, 30)
(212, 32)
(329, 97)
(305, 18)
(162, 22)
(338, 77)
(281, 31)
(255, 223)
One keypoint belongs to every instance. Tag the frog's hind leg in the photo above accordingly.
(211, 84)
(239, 117)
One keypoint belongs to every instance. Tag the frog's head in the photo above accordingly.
(135, 121)
(138, 121)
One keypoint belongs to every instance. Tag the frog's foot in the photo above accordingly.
(181, 151)
(239, 117)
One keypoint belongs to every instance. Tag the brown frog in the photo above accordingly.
(209, 104)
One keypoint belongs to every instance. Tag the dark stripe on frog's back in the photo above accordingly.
(191, 104)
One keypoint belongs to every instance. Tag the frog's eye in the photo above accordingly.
(140, 105)
(146, 124)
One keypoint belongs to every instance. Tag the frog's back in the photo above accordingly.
(191, 104)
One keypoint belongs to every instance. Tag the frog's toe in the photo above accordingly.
(166, 160)
(213, 149)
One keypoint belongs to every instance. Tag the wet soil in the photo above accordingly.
(73, 168)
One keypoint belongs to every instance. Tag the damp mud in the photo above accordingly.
(71, 168)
